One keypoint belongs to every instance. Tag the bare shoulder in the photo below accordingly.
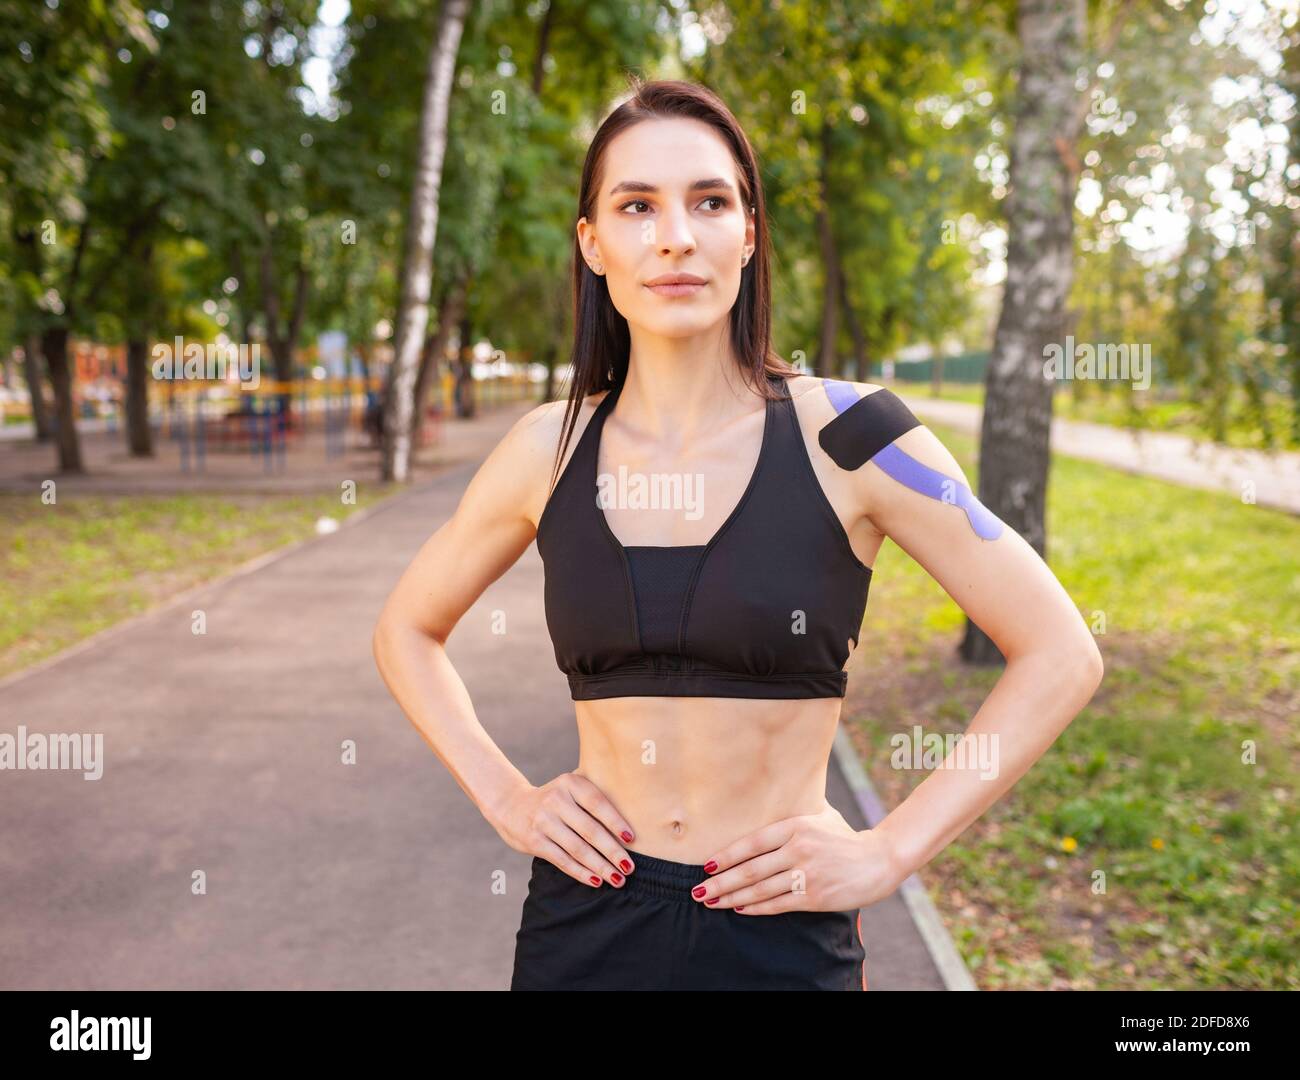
(818, 403)
(539, 429)
(852, 437)
(528, 449)
(816, 386)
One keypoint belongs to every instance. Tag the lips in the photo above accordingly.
(675, 279)
(675, 284)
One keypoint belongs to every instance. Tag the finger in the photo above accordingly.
(760, 842)
(775, 906)
(742, 874)
(595, 832)
(757, 879)
(597, 804)
(568, 838)
(598, 842)
(553, 853)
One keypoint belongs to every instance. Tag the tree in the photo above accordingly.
(1015, 433)
(860, 176)
(422, 228)
(54, 133)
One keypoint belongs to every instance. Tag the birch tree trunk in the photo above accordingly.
(430, 375)
(421, 231)
(1014, 439)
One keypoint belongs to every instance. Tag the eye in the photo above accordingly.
(722, 199)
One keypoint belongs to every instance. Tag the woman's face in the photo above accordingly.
(669, 204)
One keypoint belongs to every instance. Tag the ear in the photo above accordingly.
(587, 241)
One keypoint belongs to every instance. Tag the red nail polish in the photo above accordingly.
(626, 865)
(698, 891)
(741, 908)
(713, 901)
(627, 836)
(616, 878)
(710, 866)
(594, 879)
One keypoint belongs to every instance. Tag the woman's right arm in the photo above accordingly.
(568, 821)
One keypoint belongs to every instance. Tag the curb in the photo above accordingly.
(943, 950)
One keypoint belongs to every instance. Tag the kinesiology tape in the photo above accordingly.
(865, 428)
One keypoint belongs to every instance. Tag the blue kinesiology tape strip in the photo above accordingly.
(842, 395)
(864, 429)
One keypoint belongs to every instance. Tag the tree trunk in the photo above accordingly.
(245, 303)
(826, 365)
(294, 330)
(280, 339)
(1284, 285)
(435, 347)
(1015, 434)
(861, 363)
(139, 439)
(465, 400)
(54, 344)
(32, 367)
(558, 318)
(427, 353)
(543, 46)
(421, 233)
(140, 325)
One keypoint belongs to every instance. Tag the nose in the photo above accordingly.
(673, 233)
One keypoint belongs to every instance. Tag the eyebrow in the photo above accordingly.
(639, 186)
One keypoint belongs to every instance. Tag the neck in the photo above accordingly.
(678, 388)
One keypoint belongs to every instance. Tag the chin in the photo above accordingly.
(683, 324)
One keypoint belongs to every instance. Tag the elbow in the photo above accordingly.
(389, 632)
(1090, 666)
(1075, 668)
(380, 639)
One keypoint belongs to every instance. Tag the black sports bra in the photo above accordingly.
(765, 609)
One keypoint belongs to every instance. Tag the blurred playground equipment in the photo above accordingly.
(269, 418)
(268, 421)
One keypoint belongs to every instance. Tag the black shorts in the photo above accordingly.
(651, 934)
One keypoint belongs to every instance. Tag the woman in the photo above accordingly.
(707, 526)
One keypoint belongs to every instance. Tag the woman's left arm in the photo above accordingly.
(913, 491)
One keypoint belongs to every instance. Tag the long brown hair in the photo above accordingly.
(601, 340)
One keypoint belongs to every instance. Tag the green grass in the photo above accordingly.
(1241, 428)
(1148, 791)
(71, 569)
